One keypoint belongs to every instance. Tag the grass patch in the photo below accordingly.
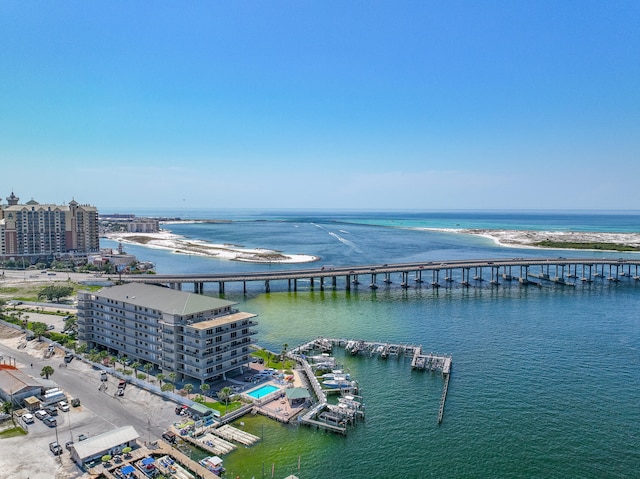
(590, 246)
(12, 432)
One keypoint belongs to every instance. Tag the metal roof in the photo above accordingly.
(163, 299)
(14, 381)
(104, 442)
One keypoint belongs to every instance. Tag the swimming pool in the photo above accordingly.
(262, 391)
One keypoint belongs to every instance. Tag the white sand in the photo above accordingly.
(179, 244)
(528, 238)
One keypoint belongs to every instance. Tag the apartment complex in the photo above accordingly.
(197, 337)
(34, 231)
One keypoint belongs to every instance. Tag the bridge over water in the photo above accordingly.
(468, 272)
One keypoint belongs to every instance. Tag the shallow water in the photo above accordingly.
(545, 381)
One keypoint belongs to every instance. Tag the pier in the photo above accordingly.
(350, 409)
(456, 273)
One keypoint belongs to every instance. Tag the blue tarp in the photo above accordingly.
(147, 460)
(128, 469)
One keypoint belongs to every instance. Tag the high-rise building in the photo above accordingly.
(196, 337)
(36, 232)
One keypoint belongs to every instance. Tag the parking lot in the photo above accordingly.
(100, 410)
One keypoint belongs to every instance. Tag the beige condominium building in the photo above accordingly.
(34, 231)
(195, 336)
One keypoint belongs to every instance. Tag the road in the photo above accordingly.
(100, 411)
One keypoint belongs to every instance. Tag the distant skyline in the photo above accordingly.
(415, 105)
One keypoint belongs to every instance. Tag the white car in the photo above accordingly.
(63, 406)
(41, 414)
(28, 418)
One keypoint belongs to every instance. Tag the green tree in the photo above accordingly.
(188, 388)
(204, 387)
(167, 387)
(46, 372)
(7, 407)
(55, 292)
(147, 367)
(223, 395)
(172, 377)
(160, 378)
(38, 328)
(135, 365)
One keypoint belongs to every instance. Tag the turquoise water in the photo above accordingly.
(545, 381)
(262, 391)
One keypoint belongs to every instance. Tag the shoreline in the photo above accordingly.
(167, 240)
(530, 238)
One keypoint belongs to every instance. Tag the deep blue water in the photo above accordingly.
(545, 381)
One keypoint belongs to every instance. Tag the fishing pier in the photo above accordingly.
(350, 408)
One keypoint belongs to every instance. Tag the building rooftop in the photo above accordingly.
(105, 441)
(229, 318)
(166, 300)
(15, 381)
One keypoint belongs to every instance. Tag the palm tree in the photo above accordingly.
(204, 387)
(224, 394)
(147, 367)
(160, 378)
(135, 365)
(188, 388)
(173, 377)
(47, 371)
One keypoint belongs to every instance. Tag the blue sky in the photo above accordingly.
(362, 104)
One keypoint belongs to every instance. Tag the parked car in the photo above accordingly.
(50, 421)
(28, 418)
(55, 448)
(51, 410)
(68, 445)
(64, 407)
(82, 437)
(41, 414)
(169, 437)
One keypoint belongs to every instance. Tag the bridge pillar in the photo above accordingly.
(244, 287)
(295, 285)
(347, 282)
(321, 283)
(221, 287)
(418, 278)
(267, 286)
(311, 282)
(334, 281)
(373, 284)
(405, 279)
(387, 278)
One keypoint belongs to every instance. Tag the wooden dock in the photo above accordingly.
(231, 433)
(419, 360)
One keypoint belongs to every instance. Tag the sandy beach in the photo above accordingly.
(181, 245)
(530, 239)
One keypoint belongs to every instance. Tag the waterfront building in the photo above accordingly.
(196, 337)
(40, 232)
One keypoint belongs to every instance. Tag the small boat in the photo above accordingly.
(337, 383)
(335, 374)
(213, 463)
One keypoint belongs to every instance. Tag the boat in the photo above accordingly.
(336, 373)
(337, 383)
(213, 463)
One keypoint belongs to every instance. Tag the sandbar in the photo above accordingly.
(182, 245)
(531, 238)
